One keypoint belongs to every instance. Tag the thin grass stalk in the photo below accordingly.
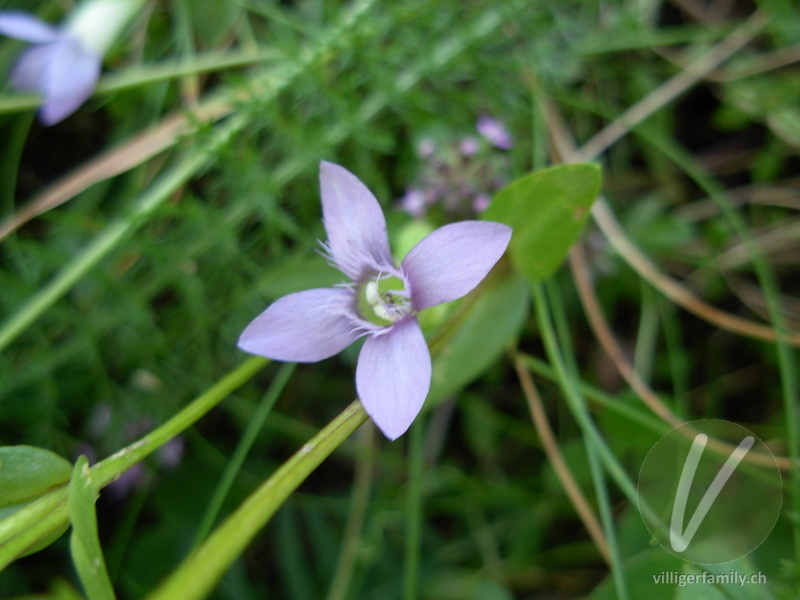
(254, 425)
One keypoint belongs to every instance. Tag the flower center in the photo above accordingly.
(384, 300)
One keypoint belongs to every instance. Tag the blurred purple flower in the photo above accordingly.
(426, 148)
(64, 62)
(171, 453)
(413, 202)
(394, 368)
(468, 146)
(457, 174)
(494, 132)
(58, 66)
(481, 203)
(135, 477)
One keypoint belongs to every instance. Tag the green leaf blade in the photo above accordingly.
(496, 318)
(27, 472)
(547, 210)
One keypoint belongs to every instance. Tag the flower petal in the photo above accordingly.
(354, 221)
(64, 72)
(22, 26)
(29, 72)
(453, 260)
(393, 377)
(494, 132)
(303, 327)
(71, 78)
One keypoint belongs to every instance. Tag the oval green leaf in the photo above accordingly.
(547, 210)
(27, 472)
(495, 318)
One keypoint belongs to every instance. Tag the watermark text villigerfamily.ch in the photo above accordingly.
(684, 579)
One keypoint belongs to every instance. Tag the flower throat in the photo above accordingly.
(383, 300)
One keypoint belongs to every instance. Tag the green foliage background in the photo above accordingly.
(226, 217)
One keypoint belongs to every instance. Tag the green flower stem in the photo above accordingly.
(28, 516)
(87, 555)
(48, 514)
(199, 573)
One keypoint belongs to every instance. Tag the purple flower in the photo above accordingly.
(64, 62)
(468, 146)
(494, 132)
(481, 203)
(414, 202)
(426, 148)
(58, 66)
(381, 302)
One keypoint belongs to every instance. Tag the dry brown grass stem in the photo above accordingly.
(669, 90)
(550, 445)
(132, 153)
(565, 149)
(602, 214)
(774, 240)
(763, 63)
(675, 291)
(785, 194)
(603, 333)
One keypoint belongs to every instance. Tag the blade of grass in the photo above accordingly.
(556, 458)
(140, 75)
(602, 331)
(254, 425)
(787, 363)
(608, 402)
(592, 436)
(556, 307)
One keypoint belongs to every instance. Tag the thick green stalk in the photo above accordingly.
(200, 572)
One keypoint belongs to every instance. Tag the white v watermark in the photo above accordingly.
(720, 509)
(679, 538)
